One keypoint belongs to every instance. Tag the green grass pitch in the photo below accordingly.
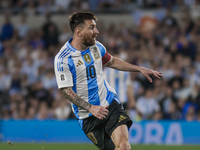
(48, 146)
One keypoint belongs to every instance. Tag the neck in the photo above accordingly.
(77, 44)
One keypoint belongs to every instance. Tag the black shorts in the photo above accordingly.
(99, 131)
(125, 105)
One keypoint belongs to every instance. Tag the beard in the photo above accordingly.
(88, 41)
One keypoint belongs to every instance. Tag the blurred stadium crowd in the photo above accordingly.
(38, 7)
(28, 88)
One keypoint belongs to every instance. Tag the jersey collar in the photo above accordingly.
(70, 40)
(68, 43)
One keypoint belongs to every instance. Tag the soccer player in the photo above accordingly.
(79, 74)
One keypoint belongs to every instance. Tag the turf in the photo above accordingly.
(45, 146)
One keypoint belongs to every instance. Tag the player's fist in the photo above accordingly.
(99, 112)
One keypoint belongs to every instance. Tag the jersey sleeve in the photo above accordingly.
(63, 74)
(105, 56)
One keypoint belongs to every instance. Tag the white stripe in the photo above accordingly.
(81, 79)
(112, 77)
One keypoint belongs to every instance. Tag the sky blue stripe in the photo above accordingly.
(73, 71)
(93, 95)
(110, 95)
(126, 76)
(117, 82)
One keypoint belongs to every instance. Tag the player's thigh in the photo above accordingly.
(120, 136)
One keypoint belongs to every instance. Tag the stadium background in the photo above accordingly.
(162, 35)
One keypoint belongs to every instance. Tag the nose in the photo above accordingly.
(96, 31)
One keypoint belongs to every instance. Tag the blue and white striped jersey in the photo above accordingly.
(82, 70)
(120, 80)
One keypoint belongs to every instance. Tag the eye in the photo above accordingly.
(91, 27)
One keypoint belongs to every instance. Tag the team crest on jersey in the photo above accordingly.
(87, 58)
(96, 53)
(62, 77)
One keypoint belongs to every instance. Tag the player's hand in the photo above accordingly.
(147, 72)
(99, 112)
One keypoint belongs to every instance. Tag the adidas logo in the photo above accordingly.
(121, 118)
(79, 63)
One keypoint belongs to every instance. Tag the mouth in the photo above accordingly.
(94, 37)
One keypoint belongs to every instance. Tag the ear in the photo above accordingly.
(78, 32)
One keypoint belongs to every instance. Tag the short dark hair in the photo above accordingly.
(78, 18)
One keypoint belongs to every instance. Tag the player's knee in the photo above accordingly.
(123, 145)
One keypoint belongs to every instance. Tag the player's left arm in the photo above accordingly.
(119, 64)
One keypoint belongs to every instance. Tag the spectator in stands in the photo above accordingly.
(22, 28)
(190, 115)
(158, 115)
(30, 70)
(22, 110)
(30, 10)
(49, 80)
(5, 113)
(40, 93)
(43, 7)
(52, 37)
(31, 114)
(65, 34)
(147, 104)
(35, 39)
(169, 20)
(63, 111)
(7, 30)
(50, 30)
(62, 5)
(172, 113)
(44, 111)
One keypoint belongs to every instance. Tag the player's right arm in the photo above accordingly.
(99, 112)
(118, 64)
